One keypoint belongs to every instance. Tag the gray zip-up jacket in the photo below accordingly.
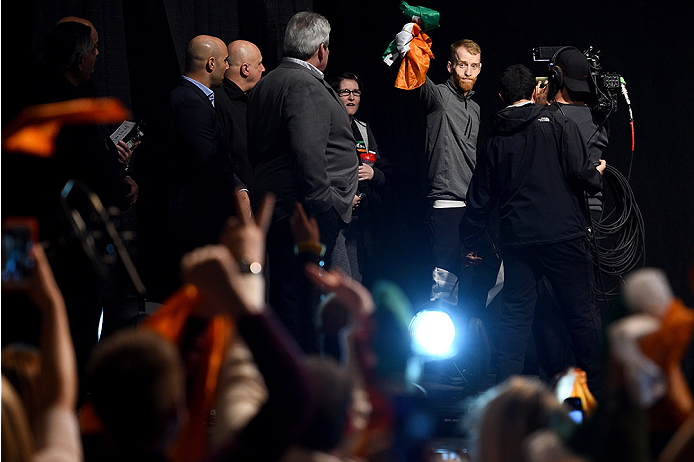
(453, 122)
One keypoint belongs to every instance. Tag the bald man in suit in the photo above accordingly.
(202, 175)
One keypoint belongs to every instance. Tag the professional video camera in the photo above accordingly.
(604, 86)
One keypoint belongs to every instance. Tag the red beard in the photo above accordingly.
(465, 84)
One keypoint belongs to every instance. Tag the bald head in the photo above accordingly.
(240, 51)
(200, 49)
(73, 48)
(86, 22)
(206, 60)
(245, 64)
(76, 19)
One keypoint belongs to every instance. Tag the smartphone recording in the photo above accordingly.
(19, 234)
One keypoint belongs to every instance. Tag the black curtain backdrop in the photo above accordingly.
(143, 43)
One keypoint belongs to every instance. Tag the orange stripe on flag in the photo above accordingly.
(413, 69)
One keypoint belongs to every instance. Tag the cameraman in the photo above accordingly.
(569, 92)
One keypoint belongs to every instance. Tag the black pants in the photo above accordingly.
(569, 270)
(474, 282)
(445, 238)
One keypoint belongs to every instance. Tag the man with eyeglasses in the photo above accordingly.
(452, 126)
(301, 147)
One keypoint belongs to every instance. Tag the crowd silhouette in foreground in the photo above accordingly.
(218, 346)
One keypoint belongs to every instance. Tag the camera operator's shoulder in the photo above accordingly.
(554, 113)
(567, 124)
(552, 108)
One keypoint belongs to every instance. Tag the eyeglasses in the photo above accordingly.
(346, 92)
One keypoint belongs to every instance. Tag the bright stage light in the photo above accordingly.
(433, 333)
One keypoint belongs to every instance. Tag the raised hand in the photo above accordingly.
(214, 272)
(304, 229)
(351, 293)
(245, 235)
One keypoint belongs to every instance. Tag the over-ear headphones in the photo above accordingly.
(555, 77)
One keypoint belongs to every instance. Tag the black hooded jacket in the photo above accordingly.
(535, 165)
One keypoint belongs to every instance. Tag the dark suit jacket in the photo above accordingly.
(202, 178)
(82, 152)
(300, 143)
(231, 103)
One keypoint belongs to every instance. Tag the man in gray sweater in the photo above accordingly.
(452, 126)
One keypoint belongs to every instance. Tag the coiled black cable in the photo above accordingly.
(620, 233)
